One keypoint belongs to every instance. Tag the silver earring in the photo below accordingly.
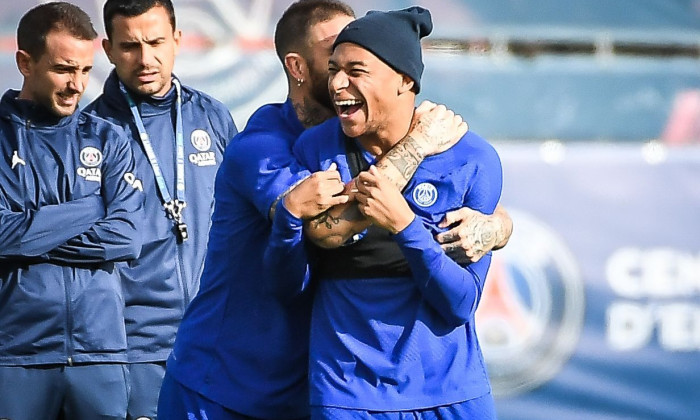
(299, 82)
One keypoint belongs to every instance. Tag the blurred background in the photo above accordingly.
(593, 309)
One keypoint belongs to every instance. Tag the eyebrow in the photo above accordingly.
(136, 41)
(349, 64)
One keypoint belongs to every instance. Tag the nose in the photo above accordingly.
(337, 82)
(78, 81)
(146, 55)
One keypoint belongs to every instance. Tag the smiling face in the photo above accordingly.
(367, 94)
(57, 79)
(143, 50)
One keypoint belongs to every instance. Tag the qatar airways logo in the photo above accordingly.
(532, 308)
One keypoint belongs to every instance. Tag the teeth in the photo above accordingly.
(348, 102)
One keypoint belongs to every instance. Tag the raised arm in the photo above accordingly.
(434, 130)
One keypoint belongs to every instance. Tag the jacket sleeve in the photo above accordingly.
(452, 290)
(286, 268)
(31, 233)
(116, 236)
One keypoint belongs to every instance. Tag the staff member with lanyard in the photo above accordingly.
(178, 135)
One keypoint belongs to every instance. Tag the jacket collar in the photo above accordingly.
(147, 105)
(24, 111)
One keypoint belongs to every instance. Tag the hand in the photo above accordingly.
(436, 127)
(316, 194)
(471, 235)
(381, 202)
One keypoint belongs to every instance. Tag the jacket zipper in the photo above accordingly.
(183, 279)
(69, 321)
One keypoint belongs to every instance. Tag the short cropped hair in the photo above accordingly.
(292, 30)
(36, 24)
(133, 8)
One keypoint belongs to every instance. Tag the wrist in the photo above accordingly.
(419, 143)
(291, 207)
(402, 224)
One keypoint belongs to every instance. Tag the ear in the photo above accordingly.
(406, 84)
(177, 36)
(24, 62)
(295, 65)
(107, 46)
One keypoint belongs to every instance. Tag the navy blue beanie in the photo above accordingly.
(392, 36)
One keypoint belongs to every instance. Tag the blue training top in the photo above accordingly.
(405, 343)
(239, 344)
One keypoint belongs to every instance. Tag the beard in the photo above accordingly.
(319, 89)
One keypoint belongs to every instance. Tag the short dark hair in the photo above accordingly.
(36, 24)
(132, 8)
(292, 30)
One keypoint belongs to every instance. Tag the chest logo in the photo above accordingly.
(425, 194)
(90, 157)
(16, 160)
(202, 142)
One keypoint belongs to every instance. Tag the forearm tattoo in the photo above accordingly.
(405, 157)
(326, 220)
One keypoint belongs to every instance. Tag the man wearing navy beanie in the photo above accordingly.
(393, 332)
(394, 37)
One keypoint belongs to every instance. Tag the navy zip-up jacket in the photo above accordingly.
(70, 207)
(160, 284)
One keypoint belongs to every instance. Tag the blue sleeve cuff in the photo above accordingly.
(285, 223)
(414, 232)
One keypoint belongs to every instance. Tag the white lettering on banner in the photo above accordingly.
(659, 288)
(631, 326)
(662, 272)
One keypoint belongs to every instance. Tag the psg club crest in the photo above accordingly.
(425, 194)
(90, 157)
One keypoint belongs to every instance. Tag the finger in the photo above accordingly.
(374, 171)
(334, 188)
(362, 187)
(451, 217)
(424, 107)
(366, 179)
(463, 129)
(338, 199)
(457, 254)
(333, 167)
(440, 110)
(448, 237)
(459, 257)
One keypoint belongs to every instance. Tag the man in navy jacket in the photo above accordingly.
(168, 118)
(70, 207)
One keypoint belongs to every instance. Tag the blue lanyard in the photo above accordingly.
(173, 207)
